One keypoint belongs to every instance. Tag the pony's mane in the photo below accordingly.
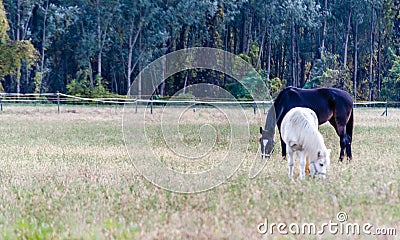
(308, 131)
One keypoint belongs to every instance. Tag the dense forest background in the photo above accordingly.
(97, 47)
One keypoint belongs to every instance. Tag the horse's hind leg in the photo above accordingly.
(283, 146)
(342, 147)
(348, 147)
(341, 132)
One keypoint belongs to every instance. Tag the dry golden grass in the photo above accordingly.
(69, 176)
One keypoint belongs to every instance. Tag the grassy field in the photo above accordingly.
(68, 175)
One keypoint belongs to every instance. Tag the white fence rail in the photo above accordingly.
(61, 99)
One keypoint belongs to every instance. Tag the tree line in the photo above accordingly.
(97, 47)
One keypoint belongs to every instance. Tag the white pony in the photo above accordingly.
(299, 130)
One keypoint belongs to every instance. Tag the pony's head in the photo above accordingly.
(319, 166)
(266, 142)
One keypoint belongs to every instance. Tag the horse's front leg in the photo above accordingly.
(302, 163)
(290, 163)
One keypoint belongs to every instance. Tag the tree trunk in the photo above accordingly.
(302, 71)
(132, 42)
(324, 30)
(99, 35)
(244, 33)
(334, 32)
(269, 58)
(249, 33)
(43, 46)
(235, 41)
(18, 28)
(90, 71)
(298, 84)
(371, 57)
(260, 52)
(185, 82)
(379, 60)
(292, 82)
(140, 65)
(355, 61)
(347, 39)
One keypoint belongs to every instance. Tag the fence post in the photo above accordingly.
(255, 107)
(136, 100)
(151, 105)
(264, 105)
(194, 104)
(386, 108)
(1, 102)
(58, 102)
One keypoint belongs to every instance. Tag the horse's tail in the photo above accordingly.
(349, 134)
(350, 125)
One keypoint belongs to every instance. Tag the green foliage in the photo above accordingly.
(275, 85)
(4, 26)
(12, 53)
(251, 85)
(185, 96)
(99, 90)
(81, 86)
(37, 79)
(253, 53)
(245, 57)
(112, 35)
(327, 72)
(391, 83)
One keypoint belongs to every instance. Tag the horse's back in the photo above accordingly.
(323, 101)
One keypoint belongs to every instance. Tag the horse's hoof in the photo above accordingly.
(340, 160)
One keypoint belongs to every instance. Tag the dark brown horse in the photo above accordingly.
(330, 104)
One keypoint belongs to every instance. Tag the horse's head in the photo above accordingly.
(266, 142)
(319, 166)
(267, 134)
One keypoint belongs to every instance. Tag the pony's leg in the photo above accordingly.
(290, 162)
(307, 171)
(302, 165)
